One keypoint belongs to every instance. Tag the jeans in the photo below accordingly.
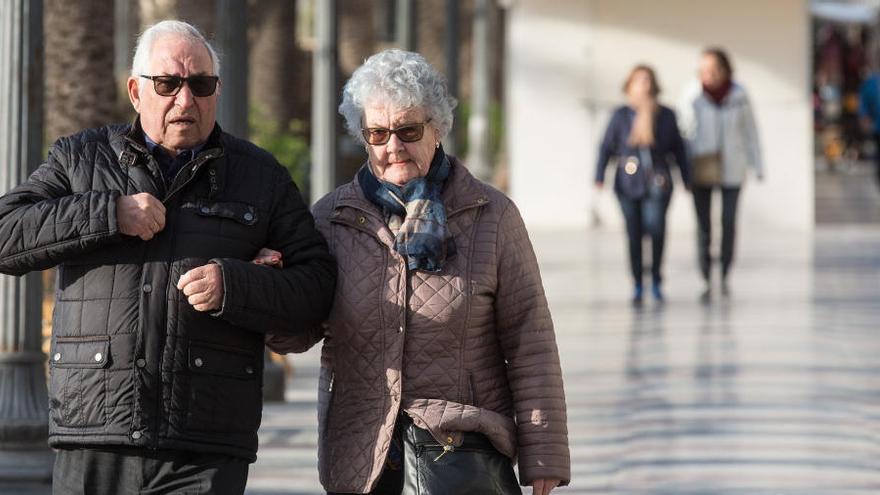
(645, 216)
(129, 471)
(703, 206)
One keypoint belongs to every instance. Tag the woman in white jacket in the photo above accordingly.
(722, 139)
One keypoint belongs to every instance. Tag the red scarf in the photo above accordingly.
(718, 94)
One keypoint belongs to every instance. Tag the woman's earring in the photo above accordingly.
(437, 144)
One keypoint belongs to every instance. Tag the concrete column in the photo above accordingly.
(478, 158)
(232, 110)
(24, 455)
(125, 30)
(450, 51)
(324, 100)
(405, 24)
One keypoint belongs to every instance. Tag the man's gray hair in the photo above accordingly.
(401, 79)
(140, 64)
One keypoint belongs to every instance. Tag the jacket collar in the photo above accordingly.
(128, 144)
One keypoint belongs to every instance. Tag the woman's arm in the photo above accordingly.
(525, 331)
(753, 143)
(607, 147)
(679, 151)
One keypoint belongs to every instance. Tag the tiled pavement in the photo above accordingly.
(772, 391)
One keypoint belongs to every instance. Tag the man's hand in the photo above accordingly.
(543, 487)
(203, 287)
(269, 257)
(140, 215)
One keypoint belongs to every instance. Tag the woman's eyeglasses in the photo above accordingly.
(170, 85)
(409, 133)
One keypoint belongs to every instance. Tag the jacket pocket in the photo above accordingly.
(220, 229)
(225, 388)
(325, 397)
(242, 213)
(472, 389)
(78, 380)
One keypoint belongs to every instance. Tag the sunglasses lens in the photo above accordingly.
(411, 133)
(377, 136)
(167, 85)
(202, 85)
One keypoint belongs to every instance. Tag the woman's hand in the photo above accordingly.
(270, 258)
(543, 487)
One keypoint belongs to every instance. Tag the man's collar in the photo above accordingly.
(151, 146)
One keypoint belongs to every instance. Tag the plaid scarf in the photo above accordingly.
(417, 208)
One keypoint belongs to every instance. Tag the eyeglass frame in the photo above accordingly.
(183, 80)
(366, 130)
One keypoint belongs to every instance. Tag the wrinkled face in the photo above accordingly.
(640, 85)
(711, 74)
(398, 162)
(182, 121)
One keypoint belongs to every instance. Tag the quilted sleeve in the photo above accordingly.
(302, 342)
(525, 331)
(292, 300)
(43, 223)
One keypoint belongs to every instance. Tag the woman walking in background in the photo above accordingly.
(642, 137)
(723, 141)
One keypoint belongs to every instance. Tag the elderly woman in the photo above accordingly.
(439, 366)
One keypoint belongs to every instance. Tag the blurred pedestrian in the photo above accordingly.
(722, 137)
(869, 113)
(644, 141)
(439, 364)
(155, 375)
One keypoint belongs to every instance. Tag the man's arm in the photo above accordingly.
(42, 222)
(297, 297)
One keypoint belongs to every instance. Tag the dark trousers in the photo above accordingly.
(877, 156)
(390, 483)
(703, 206)
(126, 471)
(645, 216)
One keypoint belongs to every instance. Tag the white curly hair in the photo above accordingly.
(402, 79)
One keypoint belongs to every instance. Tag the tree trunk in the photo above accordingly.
(357, 35)
(280, 72)
(201, 14)
(80, 84)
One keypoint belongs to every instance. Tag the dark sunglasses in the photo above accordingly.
(170, 85)
(409, 133)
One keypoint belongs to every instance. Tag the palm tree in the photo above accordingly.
(80, 85)
(280, 72)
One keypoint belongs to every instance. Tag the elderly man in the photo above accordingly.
(157, 346)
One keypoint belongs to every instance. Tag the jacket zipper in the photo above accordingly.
(195, 170)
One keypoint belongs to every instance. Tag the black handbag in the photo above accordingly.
(473, 468)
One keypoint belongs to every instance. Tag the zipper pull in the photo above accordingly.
(446, 449)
